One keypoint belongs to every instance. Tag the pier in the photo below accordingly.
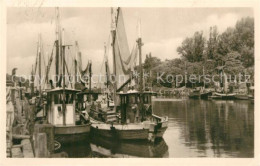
(24, 137)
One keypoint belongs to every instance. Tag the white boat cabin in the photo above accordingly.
(55, 113)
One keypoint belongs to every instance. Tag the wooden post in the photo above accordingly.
(49, 130)
(27, 148)
(17, 152)
(41, 149)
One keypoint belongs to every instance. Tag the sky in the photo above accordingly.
(163, 30)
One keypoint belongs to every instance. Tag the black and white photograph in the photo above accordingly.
(122, 81)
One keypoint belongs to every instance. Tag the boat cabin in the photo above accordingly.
(130, 106)
(86, 96)
(55, 113)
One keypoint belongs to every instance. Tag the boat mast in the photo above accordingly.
(140, 44)
(113, 32)
(106, 67)
(57, 43)
(75, 65)
(203, 78)
(63, 77)
(32, 84)
(90, 74)
(40, 66)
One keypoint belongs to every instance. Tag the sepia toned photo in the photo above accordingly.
(130, 82)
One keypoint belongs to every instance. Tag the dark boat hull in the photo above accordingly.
(205, 95)
(194, 96)
(67, 134)
(120, 132)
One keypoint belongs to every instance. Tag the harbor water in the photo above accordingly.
(197, 128)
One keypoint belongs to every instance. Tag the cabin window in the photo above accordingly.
(58, 98)
(146, 99)
(95, 97)
(133, 99)
(69, 98)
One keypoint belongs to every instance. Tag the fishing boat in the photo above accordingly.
(130, 121)
(60, 108)
(223, 96)
(195, 94)
(205, 94)
(241, 97)
(69, 125)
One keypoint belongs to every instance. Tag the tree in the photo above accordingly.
(239, 39)
(151, 62)
(212, 44)
(192, 49)
(233, 65)
(244, 34)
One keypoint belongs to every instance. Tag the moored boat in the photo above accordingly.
(241, 97)
(133, 123)
(130, 117)
(69, 125)
(205, 95)
(195, 94)
(223, 96)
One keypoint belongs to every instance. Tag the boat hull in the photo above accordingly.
(205, 95)
(159, 127)
(241, 97)
(121, 132)
(194, 95)
(223, 96)
(68, 134)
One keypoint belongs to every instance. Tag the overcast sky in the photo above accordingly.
(163, 30)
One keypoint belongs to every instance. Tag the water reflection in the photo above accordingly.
(76, 150)
(200, 128)
(102, 147)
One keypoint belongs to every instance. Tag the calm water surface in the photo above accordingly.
(197, 128)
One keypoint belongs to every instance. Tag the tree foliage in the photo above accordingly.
(192, 48)
(233, 50)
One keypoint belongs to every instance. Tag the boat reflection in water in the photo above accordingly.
(75, 150)
(102, 147)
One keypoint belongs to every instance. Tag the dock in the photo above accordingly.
(25, 138)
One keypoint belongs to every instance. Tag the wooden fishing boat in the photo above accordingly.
(131, 117)
(195, 94)
(223, 96)
(241, 97)
(133, 124)
(69, 125)
(205, 95)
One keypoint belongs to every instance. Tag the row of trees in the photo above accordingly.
(232, 50)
